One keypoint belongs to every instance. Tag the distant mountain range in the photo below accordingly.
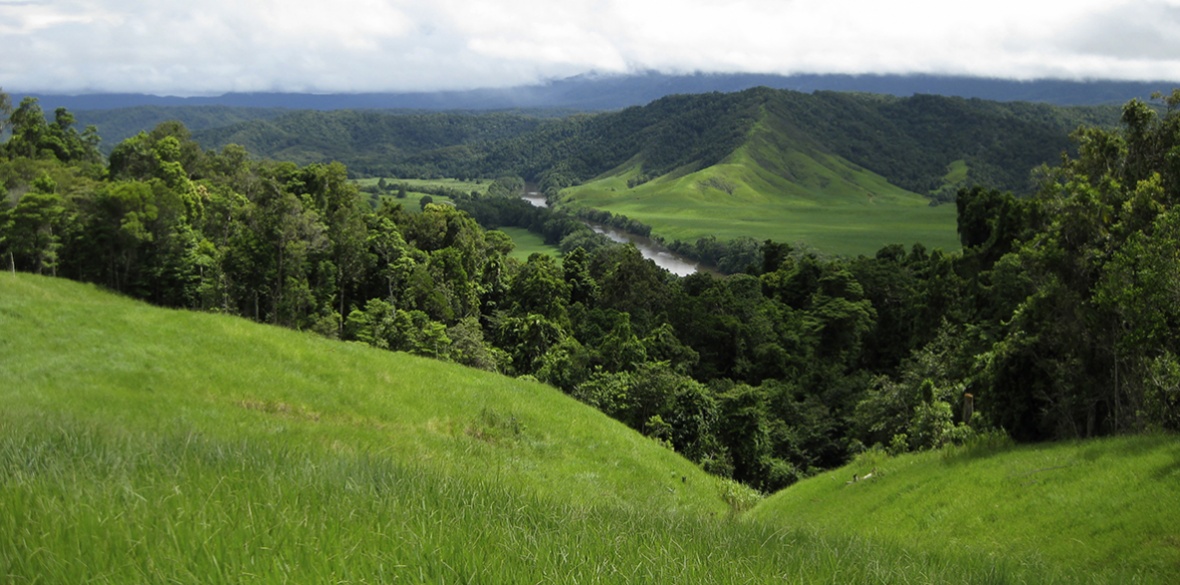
(908, 140)
(594, 92)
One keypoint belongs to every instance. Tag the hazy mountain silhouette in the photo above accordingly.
(608, 92)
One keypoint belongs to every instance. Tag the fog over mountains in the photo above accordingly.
(608, 92)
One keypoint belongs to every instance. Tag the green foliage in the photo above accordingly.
(539, 288)
(1099, 263)
(5, 111)
(33, 227)
(373, 143)
(119, 124)
(32, 137)
(506, 187)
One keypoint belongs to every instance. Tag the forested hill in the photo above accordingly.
(909, 141)
(118, 124)
(406, 144)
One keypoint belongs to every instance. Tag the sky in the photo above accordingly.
(209, 47)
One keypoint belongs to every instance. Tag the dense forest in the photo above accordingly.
(1060, 316)
(910, 141)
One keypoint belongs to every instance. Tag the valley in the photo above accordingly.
(727, 203)
(840, 173)
(935, 340)
(651, 250)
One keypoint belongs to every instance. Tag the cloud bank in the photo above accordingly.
(216, 46)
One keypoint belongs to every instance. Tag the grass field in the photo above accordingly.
(528, 243)
(141, 445)
(76, 351)
(786, 193)
(1110, 507)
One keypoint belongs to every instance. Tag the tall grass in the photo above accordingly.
(139, 445)
(71, 349)
(1108, 508)
(88, 503)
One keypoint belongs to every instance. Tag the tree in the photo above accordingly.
(540, 289)
(5, 111)
(374, 325)
(118, 228)
(630, 283)
(134, 158)
(339, 202)
(841, 316)
(1075, 355)
(620, 349)
(575, 267)
(1140, 293)
(746, 433)
(32, 231)
(28, 129)
(468, 346)
(527, 339)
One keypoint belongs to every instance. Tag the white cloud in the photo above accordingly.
(372, 45)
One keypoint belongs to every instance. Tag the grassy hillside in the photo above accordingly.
(845, 173)
(141, 445)
(777, 185)
(104, 360)
(1109, 506)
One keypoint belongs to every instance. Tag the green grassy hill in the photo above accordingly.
(1108, 507)
(104, 360)
(777, 185)
(142, 445)
(844, 173)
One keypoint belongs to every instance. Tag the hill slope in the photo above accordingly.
(847, 173)
(909, 141)
(84, 354)
(117, 125)
(147, 445)
(1103, 505)
(779, 182)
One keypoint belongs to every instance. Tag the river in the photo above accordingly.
(650, 249)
